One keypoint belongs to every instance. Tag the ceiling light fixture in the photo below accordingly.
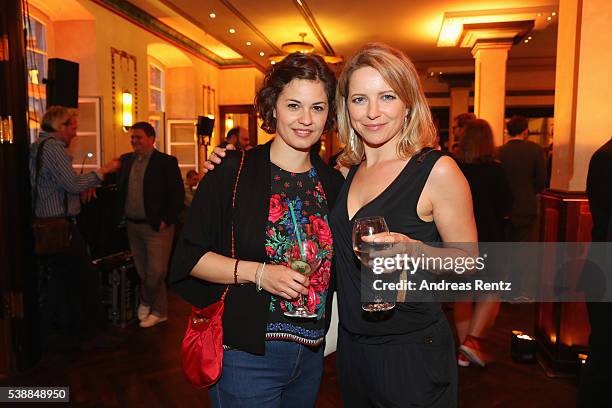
(248, 43)
(262, 53)
(232, 31)
(212, 15)
(304, 48)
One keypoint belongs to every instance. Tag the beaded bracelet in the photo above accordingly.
(236, 271)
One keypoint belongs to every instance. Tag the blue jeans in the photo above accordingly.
(288, 375)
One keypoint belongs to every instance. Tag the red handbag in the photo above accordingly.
(202, 347)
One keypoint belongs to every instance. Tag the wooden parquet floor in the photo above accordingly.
(144, 371)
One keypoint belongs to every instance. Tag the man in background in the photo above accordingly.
(231, 137)
(244, 140)
(56, 187)
(525, 168)
(152, 194)
(192, 178)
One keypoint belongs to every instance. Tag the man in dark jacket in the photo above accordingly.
(525, 169)
(151, 191)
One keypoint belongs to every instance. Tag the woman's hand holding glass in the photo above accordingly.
(306, 263)
(283, 281)
(370, 237)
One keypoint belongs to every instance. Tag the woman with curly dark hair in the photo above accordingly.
(283, 196)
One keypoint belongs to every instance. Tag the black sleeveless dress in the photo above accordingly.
(403, 357)
(398, 204)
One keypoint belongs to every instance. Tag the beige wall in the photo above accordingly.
(181, 93)
(239, 85)
(73, 42)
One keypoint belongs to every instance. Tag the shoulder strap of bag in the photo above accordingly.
(233, 206)
(38, 163)
(39, 152)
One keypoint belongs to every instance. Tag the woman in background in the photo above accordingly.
(492, 204)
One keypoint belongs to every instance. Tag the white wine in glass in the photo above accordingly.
(365, 227)
(306, 268)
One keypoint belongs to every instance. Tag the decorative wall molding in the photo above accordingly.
(124, 76)
(145, 20)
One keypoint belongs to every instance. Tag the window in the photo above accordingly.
(182, 143)
(156, 103)
(156, 88)
(85, 149)
(36, 59)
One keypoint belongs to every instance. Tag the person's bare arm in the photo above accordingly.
(448, 195)
(276, 279)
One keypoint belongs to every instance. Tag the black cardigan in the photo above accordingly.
(208, 228)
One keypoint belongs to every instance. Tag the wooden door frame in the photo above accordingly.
(239, 109)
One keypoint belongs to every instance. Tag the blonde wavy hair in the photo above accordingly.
(400, 74)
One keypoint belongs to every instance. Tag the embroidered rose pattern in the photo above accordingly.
(310, 208)
(278, 208)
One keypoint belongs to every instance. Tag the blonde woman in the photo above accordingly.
(404, 357)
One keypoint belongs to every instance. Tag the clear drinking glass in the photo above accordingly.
(306, 268)
(365, 227)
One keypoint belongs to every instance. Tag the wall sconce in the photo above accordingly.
(229, 122)
(127, 104)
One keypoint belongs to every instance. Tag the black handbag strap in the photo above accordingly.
(39, 153)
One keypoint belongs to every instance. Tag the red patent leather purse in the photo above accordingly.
(202, 347)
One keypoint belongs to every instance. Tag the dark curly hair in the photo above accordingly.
(294, 66)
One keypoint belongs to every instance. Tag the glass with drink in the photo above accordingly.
(304, 262)
(366, 251)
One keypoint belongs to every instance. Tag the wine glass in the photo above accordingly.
(300, 260)
(365, 251)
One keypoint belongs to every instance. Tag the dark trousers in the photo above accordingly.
(69, 295)
(595, 389)
(418, 370)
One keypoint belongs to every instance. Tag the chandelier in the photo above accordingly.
(304, 48)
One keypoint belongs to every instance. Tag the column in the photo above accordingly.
(490, 84)
(583, 88)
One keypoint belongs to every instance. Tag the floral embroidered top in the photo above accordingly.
(305, 193)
